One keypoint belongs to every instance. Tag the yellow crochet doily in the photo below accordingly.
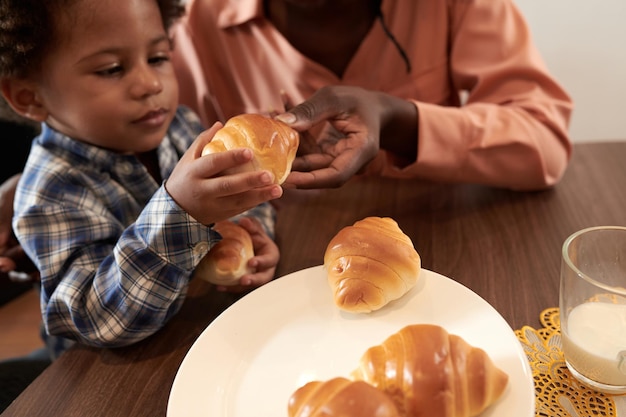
(558, 394)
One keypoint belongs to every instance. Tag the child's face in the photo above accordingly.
(109, 81)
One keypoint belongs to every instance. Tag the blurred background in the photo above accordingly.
(583, 44)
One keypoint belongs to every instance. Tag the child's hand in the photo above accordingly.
(200, 186)
(264, 262)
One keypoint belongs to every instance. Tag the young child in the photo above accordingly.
(115, 204)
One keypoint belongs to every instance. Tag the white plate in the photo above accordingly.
(250, 359)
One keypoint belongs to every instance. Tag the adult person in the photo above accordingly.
(441, 90)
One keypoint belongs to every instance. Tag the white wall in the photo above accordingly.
(584, 45)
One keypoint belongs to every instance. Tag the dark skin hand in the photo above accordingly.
(360, 122)
(202, 186)
(263, 264)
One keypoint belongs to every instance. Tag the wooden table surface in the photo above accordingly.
(504, 245)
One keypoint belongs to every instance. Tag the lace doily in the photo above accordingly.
(557, 392)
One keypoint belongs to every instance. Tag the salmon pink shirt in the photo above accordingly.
(489, 111)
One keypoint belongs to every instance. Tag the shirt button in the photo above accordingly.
(126, 168)
(200, 249)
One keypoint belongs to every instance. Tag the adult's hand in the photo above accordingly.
(359, 123)
(345, 145)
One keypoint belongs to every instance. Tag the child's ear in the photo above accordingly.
(21, 95)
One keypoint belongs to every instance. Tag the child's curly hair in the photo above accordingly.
(27, 31)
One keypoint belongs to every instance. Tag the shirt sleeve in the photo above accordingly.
(512, 129)
(107, 285)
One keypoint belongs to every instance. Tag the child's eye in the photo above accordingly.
(110, 71)
(158, 59)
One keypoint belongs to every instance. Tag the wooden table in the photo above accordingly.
(504, 245)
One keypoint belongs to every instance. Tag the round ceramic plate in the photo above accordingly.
(250, 359)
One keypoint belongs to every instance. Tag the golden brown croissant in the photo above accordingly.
(227, 261)
(430, 373)
(370, 264)
(340, 397)
(273, 143)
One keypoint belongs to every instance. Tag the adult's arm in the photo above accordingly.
(511, 131)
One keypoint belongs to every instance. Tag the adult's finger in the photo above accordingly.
(321, 106)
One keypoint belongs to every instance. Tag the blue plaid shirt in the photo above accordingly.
(114, 250)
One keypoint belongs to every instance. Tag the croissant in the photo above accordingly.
(273, 143)
(227, 261)
(370, 264)
(340, 397)
(428, 372)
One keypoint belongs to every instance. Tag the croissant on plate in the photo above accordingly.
(428, 372)
(370, 264)
(274, 144)
(227, 261)
(340, 397)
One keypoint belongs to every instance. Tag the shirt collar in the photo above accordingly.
(74, 150)
(237, 12)
(85, 153)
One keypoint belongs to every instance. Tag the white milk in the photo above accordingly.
(595, 342)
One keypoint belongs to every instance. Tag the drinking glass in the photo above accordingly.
(593, 307)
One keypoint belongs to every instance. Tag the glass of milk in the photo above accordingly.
(593, 307)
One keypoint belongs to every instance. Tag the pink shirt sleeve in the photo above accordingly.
(512, 131)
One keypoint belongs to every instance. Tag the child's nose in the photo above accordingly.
(145, 82)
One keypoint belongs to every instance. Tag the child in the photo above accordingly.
(115, 204)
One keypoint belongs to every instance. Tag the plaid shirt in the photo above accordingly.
(114, 250)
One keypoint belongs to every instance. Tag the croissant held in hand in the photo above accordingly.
(370, 264)
(273, 143)
(430, 373)
(340, 397)
(227, 261)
